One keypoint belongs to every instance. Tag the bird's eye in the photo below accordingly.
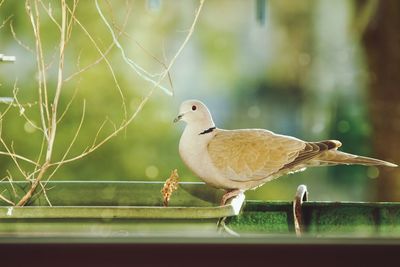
(194, 108)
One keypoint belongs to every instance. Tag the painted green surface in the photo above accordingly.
(321, 218)
(120, 200)
(366, 219)
(112, 209)
(113, 193)
(264, 217)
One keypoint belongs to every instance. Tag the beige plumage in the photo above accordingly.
(238, 160)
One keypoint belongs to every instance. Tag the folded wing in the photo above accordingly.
(250, 155)
(245, 155)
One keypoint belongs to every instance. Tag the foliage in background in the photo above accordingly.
(302, 73)
(46, 114)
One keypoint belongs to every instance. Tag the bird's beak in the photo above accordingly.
(178, 118)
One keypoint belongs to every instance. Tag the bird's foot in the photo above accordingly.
(230, 194)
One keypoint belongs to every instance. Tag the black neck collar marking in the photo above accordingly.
(209, 130)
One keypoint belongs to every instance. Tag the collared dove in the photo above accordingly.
(238, 160)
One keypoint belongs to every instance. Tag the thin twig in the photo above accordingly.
(113, 134)
(94, 63)
(13, 155)
(43, 106)
(53, 124)
(105, 52)
(6, 20)
(44, 190)
(50, 121)
(12, 187)
(22, 109)
(150, 55)
(10, 180)
(69, 103)
(18, 40)
(132, 64)
(141, 104)
(5, 112)
(6, 200)
(34, 185)
(39, 157)
(73, 140)
(98, 132)
(105, 60)
(171, 63)
(52, 129)
(71, 21)
(49, 12)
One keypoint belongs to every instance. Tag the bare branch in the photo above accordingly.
(68, 105)
(105, 60)
(171, 63)
(98, 132)
(6, 200)
(6, 20)
(34, 185)
(50, 119)
(5, 112)
(22, 109)
(149, 54)
(16, 156)
(73, 140)
(10, 179)
(94, 63)
(132, 64)
(71, 21)
(49, 12)
(42, 88)
(44, 191)
(52, 129)
(13, 156)
(39, 157)
(53, 123)
(12, 186)
(18, 40)
(141, 104)
(113, 134)
(105, 52)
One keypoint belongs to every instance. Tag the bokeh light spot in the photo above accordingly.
(372, 172)
(151, 171)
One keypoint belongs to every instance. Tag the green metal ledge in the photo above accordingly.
(134, 209)
(117, 200)
(321, 219)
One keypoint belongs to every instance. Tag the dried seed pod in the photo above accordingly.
(170, 185)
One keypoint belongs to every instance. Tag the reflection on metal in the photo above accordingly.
(237, 204)
(4, 58)
(301, 195)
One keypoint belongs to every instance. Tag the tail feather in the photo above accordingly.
(333, 157)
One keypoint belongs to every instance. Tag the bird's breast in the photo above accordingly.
(194, 153)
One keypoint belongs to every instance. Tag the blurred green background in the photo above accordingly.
(302, 68)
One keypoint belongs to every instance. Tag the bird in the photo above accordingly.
(245, 159)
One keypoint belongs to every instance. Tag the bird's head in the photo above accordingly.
(195, 112)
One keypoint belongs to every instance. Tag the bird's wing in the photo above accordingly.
(312, 150)
(245, 155)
